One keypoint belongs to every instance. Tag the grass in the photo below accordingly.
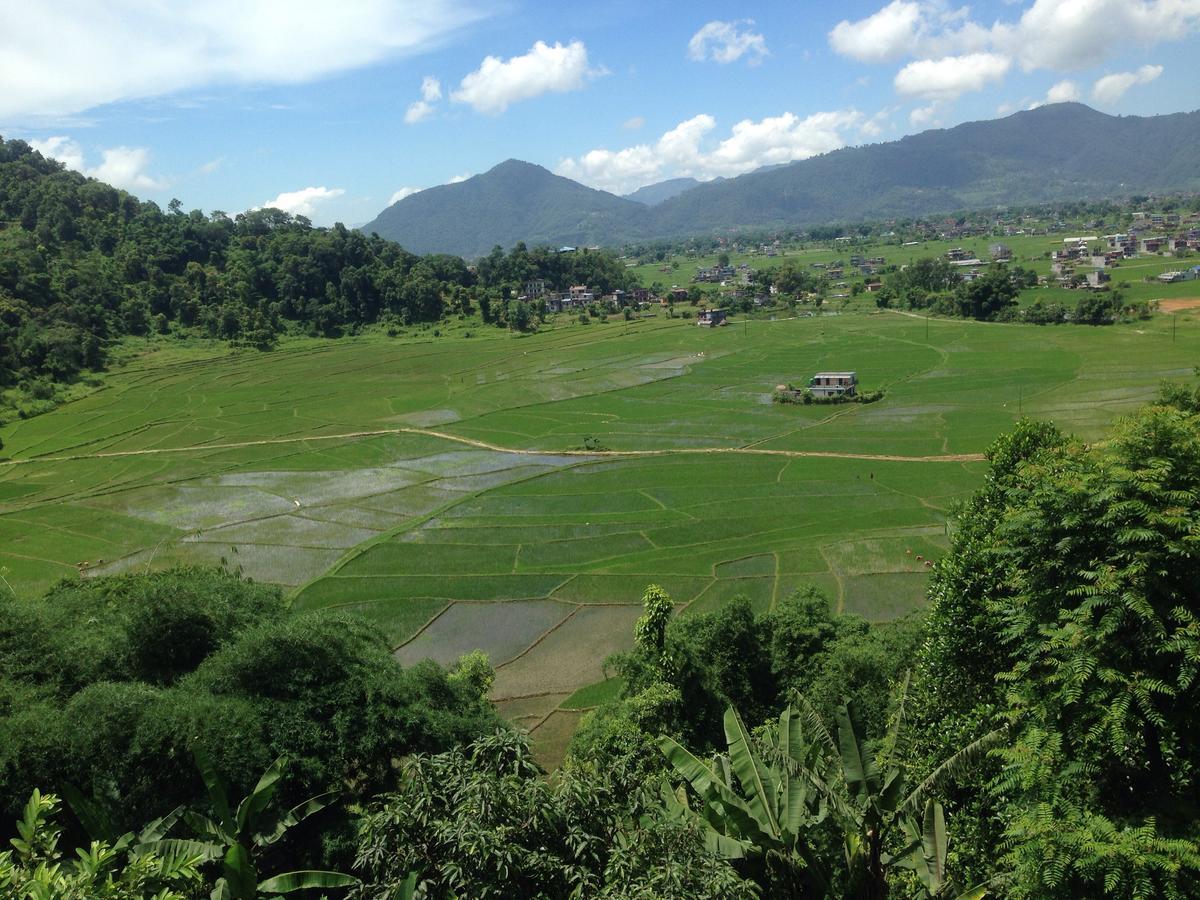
(435, 484)
(595, 694)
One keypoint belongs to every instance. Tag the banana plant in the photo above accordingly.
(807, 776)
(876, 809)
(776, 808)
(232, 835)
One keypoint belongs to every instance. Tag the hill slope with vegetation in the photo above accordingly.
(83, 263)
(514, 201)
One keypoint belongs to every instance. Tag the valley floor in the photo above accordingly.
(517, 494)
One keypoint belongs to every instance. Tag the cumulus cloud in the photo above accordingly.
(63, 58)
(726, 42)
(402, 193)
(687, 149)
(431, 93)
(498, 83)
(950, 76)
(303, 202)
(417, 111)
(62, 148)
(877, 124)
(634, 123)
(1063, 92)
(1075, 34)
(1112, 88)
(923, 115)
(123, 167)
(888, 34)
(1061, 35)
(431, 89)
(456, 179)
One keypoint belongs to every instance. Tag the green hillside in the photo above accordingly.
(514, 201)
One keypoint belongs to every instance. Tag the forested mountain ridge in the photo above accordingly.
(653, 194)
(514, 201)
(1056, 152)
(1063, 151)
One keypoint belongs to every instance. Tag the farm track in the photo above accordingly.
(485, 445)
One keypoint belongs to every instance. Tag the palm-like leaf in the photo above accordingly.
(858, 767)
(94, 815)
(258, 799)
(757, 781)
(308, 879)
(218, 797)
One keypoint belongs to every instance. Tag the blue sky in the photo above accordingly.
(333, 109)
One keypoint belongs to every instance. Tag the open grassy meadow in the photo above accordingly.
(516, 494)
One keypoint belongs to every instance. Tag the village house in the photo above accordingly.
(711, 317)
(834, 384)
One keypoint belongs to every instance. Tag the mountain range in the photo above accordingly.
(1063, 151)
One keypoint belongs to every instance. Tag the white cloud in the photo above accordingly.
(687, 150)
(1063, 92)
(1075, 34)
(62, 58)
(456, 179)
(634, 123)
(888, 34)
(304, 201)
(1056, 35)
(726, 42)
(544, 69)
(950, 76)
(123, 167)
(923, 115)
(877, 124)
(431, 93)
(1112, 88)
(402, 193)
(212, 165)
(417, 111)
(62, 148)
(431, 89)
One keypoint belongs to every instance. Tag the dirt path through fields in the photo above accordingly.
(485, 445)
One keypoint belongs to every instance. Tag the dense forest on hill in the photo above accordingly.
(1033, 734)
(82, 263)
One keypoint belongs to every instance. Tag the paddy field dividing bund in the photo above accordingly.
(516, 494)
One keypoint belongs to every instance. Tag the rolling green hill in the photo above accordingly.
(1056, 152)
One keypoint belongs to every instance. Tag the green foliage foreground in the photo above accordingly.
(1051, 746)
(111, 684)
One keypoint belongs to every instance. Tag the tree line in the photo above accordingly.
(83, 263)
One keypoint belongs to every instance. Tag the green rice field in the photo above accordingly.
(517, 494)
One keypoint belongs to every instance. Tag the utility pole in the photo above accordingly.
(1174, 323)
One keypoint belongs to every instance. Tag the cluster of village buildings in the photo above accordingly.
(1084, 261)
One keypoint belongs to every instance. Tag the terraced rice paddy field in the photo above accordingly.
(516, 494)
